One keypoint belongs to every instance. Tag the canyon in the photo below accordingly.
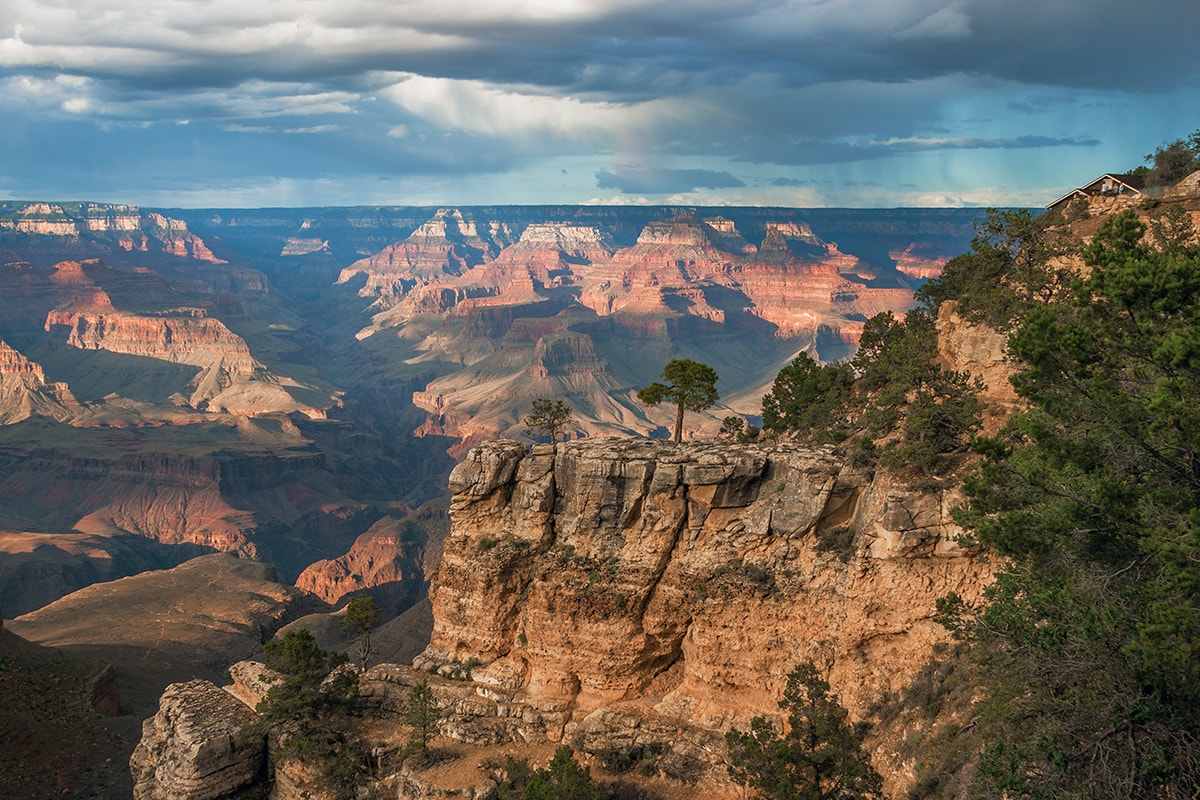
(301, 386)
(276, 382)
(294, 386)
(629, 598)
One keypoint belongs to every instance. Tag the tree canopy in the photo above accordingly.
(1088, 644)
(1173, 161)
(688, 384)
(548, 418)
(308, 711)
(359, 620)
(562, 779)
(893, 390)
(818, 758)
(809, 398)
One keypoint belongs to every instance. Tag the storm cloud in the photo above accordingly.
(549, 101)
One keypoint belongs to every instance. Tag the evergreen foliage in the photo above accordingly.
(359, 620)
(689, 384)
(423, 715)
(932, 412)
(548, 418)
(1088, 645)
(308, 711)
(732, 427)
(1173, 161)
(809, 399)
(819, 758)
(1007, 271)
(893, 390)
(563, 779)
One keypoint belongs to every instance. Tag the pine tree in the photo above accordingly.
(819, 758)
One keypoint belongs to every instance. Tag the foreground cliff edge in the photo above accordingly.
(626, 595)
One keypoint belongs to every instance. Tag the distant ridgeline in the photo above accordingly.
(493, 307)
(286, 383)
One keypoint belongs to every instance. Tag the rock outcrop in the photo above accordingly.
(457, 294)
(385, 559)
(196, 747)
(24, 391)
(981, 352)
(627, 591)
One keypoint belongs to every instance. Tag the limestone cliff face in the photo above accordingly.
(124, 226)
(196, 746)
(24, 391)
(980, 351)
(609, 586)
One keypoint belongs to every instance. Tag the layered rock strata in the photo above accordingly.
(633, 593)
(456, 293)
(24, 391)
(197, 747)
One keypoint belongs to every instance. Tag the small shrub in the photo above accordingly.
(839, 540)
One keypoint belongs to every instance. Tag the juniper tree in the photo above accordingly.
(689, 385)
(818, 758)
(548, 418)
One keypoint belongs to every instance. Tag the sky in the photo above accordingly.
(804, 103)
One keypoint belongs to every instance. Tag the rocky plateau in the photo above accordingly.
(630, 596)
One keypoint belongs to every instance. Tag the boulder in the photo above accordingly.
(197, 747)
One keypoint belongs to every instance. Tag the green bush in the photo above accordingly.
(308, 713)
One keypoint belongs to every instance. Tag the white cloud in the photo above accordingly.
(477, 107)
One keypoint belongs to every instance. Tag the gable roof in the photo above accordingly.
(1121, 183)
(1067, 198)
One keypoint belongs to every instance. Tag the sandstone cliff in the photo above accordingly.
(624, 592)
(24, 391)
(196, 747)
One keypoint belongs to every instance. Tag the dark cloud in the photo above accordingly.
(790, 83)
(820, 152)
(664, 181)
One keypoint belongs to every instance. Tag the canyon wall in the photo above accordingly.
(487, 313)
(629, 592)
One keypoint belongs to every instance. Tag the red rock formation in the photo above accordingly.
(447, 245)
(384, 559)
(24, 391)
(604, 586)
(684, 280)
(916, 265)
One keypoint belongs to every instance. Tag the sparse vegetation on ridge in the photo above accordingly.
(308, 712)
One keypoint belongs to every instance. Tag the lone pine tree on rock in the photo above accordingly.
(361, 617)
(689, 384)
(548, 418)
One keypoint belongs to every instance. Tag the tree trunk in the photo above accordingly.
(679, 423)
